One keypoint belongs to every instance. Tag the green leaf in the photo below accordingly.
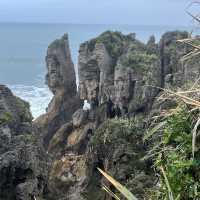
(118, 186)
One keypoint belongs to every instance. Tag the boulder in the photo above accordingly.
(80, 117)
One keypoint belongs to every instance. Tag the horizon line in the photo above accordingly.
(99, 24)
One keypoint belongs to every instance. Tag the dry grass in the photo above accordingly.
(191, 99)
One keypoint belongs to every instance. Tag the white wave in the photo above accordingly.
(38, 97)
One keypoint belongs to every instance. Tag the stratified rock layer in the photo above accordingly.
(62, 82)
(120, 68)
(120, 77)
(23, 162)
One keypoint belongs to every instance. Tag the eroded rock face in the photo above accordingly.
(80, 118)
(60, 68)
(112, 67)
(68, 174)
(118, 67)
(23, 162)
(62, 82)
(96, 72)
(176, 72)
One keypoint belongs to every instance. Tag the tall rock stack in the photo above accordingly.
(61, 80)
(60, 68)
(96, 72)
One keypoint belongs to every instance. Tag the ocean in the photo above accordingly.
(23, 50)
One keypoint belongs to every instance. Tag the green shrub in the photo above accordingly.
(24, 107)
(139, 61)
(5, 118)
(175, 158)
(113, 41)
(59, 42)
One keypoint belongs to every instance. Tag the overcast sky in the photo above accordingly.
(142, 12)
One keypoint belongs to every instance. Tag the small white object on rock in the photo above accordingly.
(86, 106)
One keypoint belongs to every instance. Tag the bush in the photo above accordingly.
(113, 41)
(139, 61)
(5, 118)
(180, 173)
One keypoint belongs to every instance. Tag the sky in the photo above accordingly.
(138, 12)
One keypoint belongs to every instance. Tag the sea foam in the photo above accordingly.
(38, 97)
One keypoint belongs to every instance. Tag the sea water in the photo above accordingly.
(23, 50)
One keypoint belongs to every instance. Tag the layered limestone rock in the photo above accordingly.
(120, 68)
(61, 80)
(60, 68)
(176, 70)
(117, 74)
(111, 66)
(96, 72)
(23, 162)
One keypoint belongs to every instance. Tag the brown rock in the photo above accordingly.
(62, 82)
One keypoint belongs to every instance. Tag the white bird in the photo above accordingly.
(86, 106)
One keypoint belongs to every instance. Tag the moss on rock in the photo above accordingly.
(139, 61)
(59, 42)
(113, 41)
(24, 107)
(5, 118)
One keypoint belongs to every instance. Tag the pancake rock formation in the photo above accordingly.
(23, 161)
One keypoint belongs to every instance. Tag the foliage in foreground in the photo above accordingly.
(176, 153)
(123, 190)
(118, 143)
(180, 172)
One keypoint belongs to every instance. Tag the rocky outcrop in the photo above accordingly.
(118, 67)
(23, 162)
(176, 70)
(120, 77)
(61, 80)
(60, 68)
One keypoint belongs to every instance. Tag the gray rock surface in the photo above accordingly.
(123, 78)
(61, 80)
(129, 73)
(23, 162)
(60, 68)
(79, 118)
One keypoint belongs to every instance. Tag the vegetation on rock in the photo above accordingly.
(24, 106)
(139, 61)
(5, 118)
(176, 151)
(59, 42)
(113, 41)
(118, 144)
(181, 169)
